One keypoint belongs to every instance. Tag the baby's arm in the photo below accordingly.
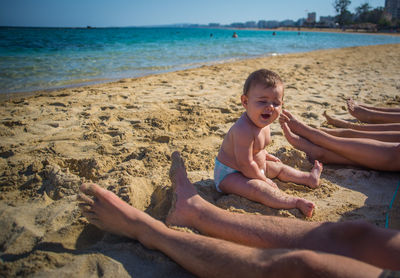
(243, 148)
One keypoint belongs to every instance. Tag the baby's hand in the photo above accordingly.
(270, 157)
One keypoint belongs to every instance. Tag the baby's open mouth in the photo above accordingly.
(265, 116)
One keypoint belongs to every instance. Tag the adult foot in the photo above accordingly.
(309, 148)
(295, 126)
(306, 207)
(312, 151)
(294, 139)
(108, 212)
(185, 197)
(315, 174)
(357, 111)
(337, 122)
(351, 104)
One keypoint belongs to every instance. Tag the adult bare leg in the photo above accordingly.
(384, 136)
(350, 239)
(313, 151)
(365, 127)
(371, 116)
(209, 257)
(385, 109)
(366, 152)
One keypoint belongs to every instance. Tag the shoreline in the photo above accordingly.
(17, 95)
(121, 134)
(207, 51)
(338, 30)
(307, 29)
(317, 29)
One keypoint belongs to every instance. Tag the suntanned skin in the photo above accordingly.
(327, 148)
(395, 127)
(381, 132)
(384, 109)
(352, 252)
(374, 115)
(384, 136)
(243, 149)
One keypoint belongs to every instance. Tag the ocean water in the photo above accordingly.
(46, 58)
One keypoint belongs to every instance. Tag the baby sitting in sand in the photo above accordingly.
(243, 166)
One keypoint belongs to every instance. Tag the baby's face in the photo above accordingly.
(263, 105)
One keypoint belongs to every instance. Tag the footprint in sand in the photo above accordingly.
(310, 115)
(59, 184)
(104, 118)
(59, 104)
(125, 191)
(107, 107)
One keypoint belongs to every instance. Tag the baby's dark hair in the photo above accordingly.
(264, 77)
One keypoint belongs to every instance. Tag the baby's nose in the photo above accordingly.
(270, 106)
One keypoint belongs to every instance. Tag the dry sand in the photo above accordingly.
(121, 135)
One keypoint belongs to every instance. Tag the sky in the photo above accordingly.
(113, 13)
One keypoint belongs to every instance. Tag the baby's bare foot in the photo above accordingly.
(306, 207)
(105, 210)
(315, 174)
(185, 196)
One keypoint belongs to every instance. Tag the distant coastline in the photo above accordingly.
(335, 30)
(188, 26)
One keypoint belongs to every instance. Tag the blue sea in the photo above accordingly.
(46, 58)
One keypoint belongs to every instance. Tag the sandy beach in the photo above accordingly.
(121, 135)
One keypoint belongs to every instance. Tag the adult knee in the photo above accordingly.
(305, 262)
(351, 231)
(299, 263)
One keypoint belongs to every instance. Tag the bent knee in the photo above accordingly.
(299, 262)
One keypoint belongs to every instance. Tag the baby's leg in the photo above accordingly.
(286, 173)
(265, 193)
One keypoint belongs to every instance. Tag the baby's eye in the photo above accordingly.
(276, 104)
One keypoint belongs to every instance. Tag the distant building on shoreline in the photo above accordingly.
(327, 21)
(392, 8)
(311, 18)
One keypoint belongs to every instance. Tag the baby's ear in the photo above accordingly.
(244, 100)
